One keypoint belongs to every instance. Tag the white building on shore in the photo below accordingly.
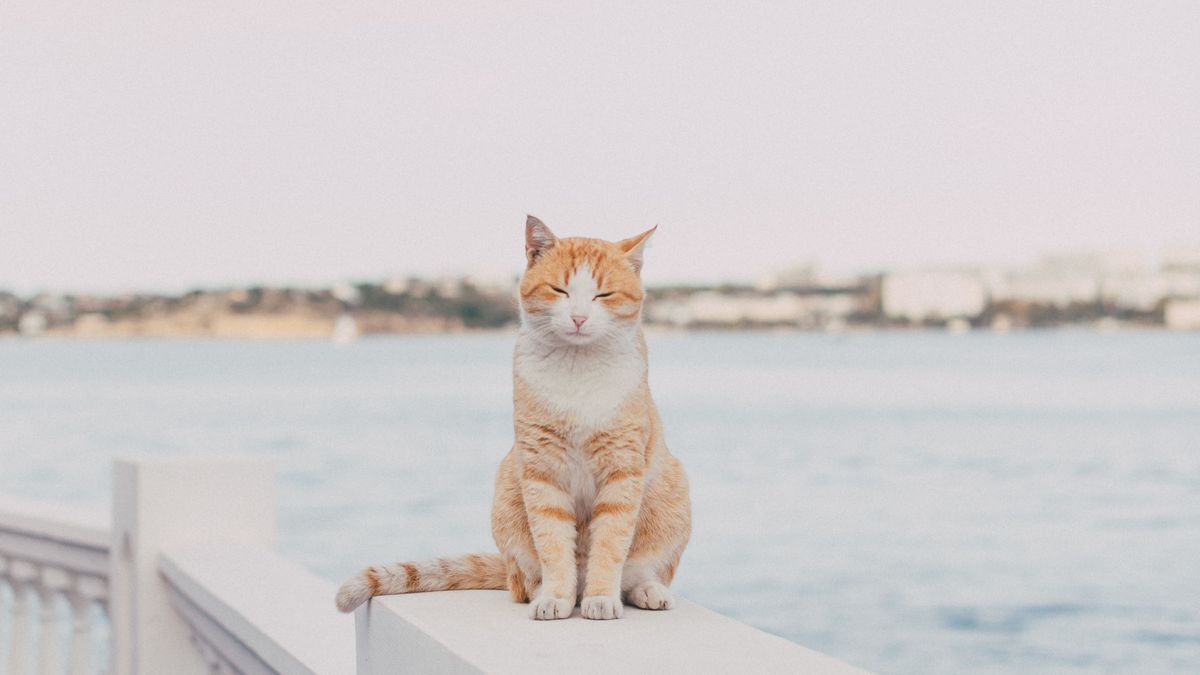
(1182, 314)
(933, 294)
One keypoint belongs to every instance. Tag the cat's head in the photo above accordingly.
(579, 291)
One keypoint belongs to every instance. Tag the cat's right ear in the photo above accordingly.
(538, 239)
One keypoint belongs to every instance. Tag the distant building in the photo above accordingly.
(668, 311)
(710, 307)
(821, 309)
(1145, 290)
(32, 323)
(782, 308)
(1182, 315)
(347, 293)
(1049, 287)
(779, 308)
(921, 295)
(1065, 280)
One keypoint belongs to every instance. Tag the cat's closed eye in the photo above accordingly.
(556, 289)
(602, 295)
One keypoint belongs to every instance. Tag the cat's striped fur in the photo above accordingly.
(589, 503)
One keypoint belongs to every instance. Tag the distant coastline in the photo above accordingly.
(1089, 296)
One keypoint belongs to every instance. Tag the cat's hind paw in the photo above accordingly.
(601, 607)
(651, 595)
(547, 608)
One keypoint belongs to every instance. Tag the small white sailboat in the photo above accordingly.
(345, 330)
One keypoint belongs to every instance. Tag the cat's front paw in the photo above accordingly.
(651, 595)
(601, 607)
(548, 607)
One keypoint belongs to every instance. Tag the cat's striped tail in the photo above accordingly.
(476, 570)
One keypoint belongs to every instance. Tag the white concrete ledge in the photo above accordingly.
(260, 611)
(76, 540)
(471, 632)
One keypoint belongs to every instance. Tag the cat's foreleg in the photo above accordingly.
(613, 521)
(552, 523)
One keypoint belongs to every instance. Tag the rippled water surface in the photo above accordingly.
(912, 503)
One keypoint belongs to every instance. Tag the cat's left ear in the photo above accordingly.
(635, 246)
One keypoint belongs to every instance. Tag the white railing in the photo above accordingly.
(54, 561)
(193, 584)
(252, 611)
(198, 586)
(187, 582)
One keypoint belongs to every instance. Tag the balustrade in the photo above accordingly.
(55, 571)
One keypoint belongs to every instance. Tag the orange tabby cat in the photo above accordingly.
(589, 503)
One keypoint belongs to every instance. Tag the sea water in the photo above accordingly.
(909, 502)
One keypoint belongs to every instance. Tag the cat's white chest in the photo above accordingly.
(581, 482)
(587, 389)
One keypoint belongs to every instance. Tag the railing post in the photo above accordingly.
(81, 627)
(158, 503)
(50, 646)
(4, 609)
(20, 649)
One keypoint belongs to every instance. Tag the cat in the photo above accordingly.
(589, 503)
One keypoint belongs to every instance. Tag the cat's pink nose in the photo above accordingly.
(578, 319)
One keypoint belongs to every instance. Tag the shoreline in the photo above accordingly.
(67, 336)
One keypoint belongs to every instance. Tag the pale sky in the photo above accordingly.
(161, 145)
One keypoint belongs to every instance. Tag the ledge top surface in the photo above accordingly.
(495, 635)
